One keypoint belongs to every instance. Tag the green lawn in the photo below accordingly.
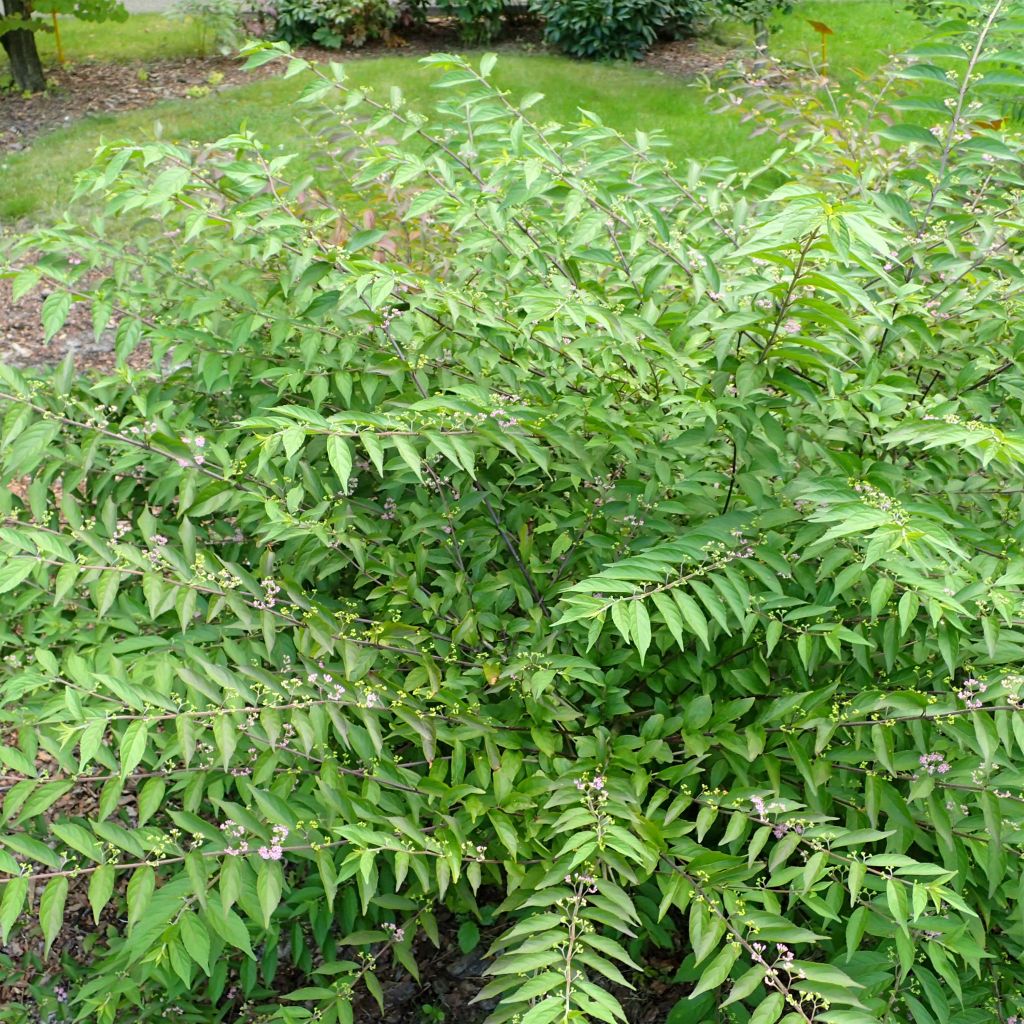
(141, 37)
(38, 180)
(624, 97)
(864, 31)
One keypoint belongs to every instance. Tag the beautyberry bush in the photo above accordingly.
(525, 528)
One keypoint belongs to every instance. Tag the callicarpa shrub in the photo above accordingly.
(516, 526)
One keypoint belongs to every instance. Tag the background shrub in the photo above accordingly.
(620, 553)
(480, 21)
(626, 29)
(332, 23)
(605, 29)
(219, 24)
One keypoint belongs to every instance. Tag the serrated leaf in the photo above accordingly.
(132, 747)
(339, 452)
(11, 905)
(101, 888)
(717, 970)
(692, 615)
(768, 1010)
(51, 908)
(269, 884)
(141, 887)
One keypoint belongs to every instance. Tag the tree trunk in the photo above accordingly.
(761, 37)
(20, 44)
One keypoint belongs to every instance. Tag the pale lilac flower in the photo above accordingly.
(934, 763)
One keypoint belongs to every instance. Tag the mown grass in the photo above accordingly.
(38, 181)
(141, 37)
(623, 97)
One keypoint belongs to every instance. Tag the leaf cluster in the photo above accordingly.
(512, 523)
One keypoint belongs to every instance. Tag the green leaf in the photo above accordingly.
(78, 838)
(14, 892)
(880, 594)
(768, 1010)
(543, 1012)
(670, 614)
(196, 939)
(907, 609)
(640, 628)
(51, 909)
(339, 452)
(140, 891)
(132, 747)
(692, 615)
(469, 936)
(14, 573)
(54, 313)
(230, 927)
(909, 133)
(717, 970)
(269, 884)
(745, 984)
(101, 888)
(106, 591)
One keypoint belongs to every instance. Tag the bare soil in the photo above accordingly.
(21, 335)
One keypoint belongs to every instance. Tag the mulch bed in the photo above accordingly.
(445, 992)
(686, 58)
(91, 88)
(21, 335)
(450, 981)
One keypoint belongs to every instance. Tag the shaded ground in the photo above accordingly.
(686, 58)
(448, 983)
(21, 335)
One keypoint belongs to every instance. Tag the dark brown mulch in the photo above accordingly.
(450, 981)
(93, 87)
(21, 336)
(448, 984)
(687, 58)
